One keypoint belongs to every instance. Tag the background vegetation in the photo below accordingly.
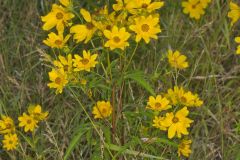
(214, 74)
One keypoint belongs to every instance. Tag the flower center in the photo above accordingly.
(145, 27)
(116, 39)
(65, 68)
(58, 80)
(108, 27)
(8, 126)
(59, 15)
(89, 26)
(29, 121)
(58, 42)
(104, 110)
(194, 6)
(175, 120)
(10, 142)
(84, 61)
(144, 5)
(158, 105)
(183, 99)
(182, 146)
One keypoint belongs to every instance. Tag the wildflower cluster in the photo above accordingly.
(135, 19)
(234, 15)
(28, 121)
(171, 109)
(195, 8)
(131, 22)
(7, 129)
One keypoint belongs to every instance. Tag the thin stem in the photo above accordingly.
(94, 126)
(135, 49)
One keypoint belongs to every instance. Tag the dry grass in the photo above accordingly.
(215, 74)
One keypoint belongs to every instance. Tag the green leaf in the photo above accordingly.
(131, 152)
(28, 140)
(139, 77)
(81, 131)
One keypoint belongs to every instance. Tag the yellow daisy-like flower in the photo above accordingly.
(102, 109)
(146, 28)
(177, 60)
(184, 148)
(58, 17)
(158, 104)
(28, 122)
(149, 5)
(36, 112)
(10, 141)
(56, 41)
(175, 94)
(178, 123)
(84, 32)
(86, 62)
(117, 38)
(234, 13)
(6, 125)
(178, 95)
(194, 8)
(66, 3)
(237, 40)
(158, 123)
(58, 80)
(127, 5)
(205, 3)
(190, 100)
(65, 63)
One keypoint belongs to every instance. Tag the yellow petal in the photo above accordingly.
(86, 15)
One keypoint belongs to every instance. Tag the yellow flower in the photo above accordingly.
(84, 31)
(158, 104)
(83, 81)
(28, 122)
(117, 38)
(178, 95)
(36, 112)
(177, 60)
(56, 41)
(158, 123)
(234, 13)
(190, 100)
(194, 8)
(86, 62)
(237, 40)
(58, 80)
(58, 17)
(184, 148)
(64, 63)
(197, 101)
(175, 94)
(6, 125)
(127, 5)
(146, 28)
(10, 141)
(177, 124)
(102, 109)
(205, 3)
(66, 3)
(148, 5)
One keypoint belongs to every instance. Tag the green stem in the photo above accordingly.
(94, 126)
